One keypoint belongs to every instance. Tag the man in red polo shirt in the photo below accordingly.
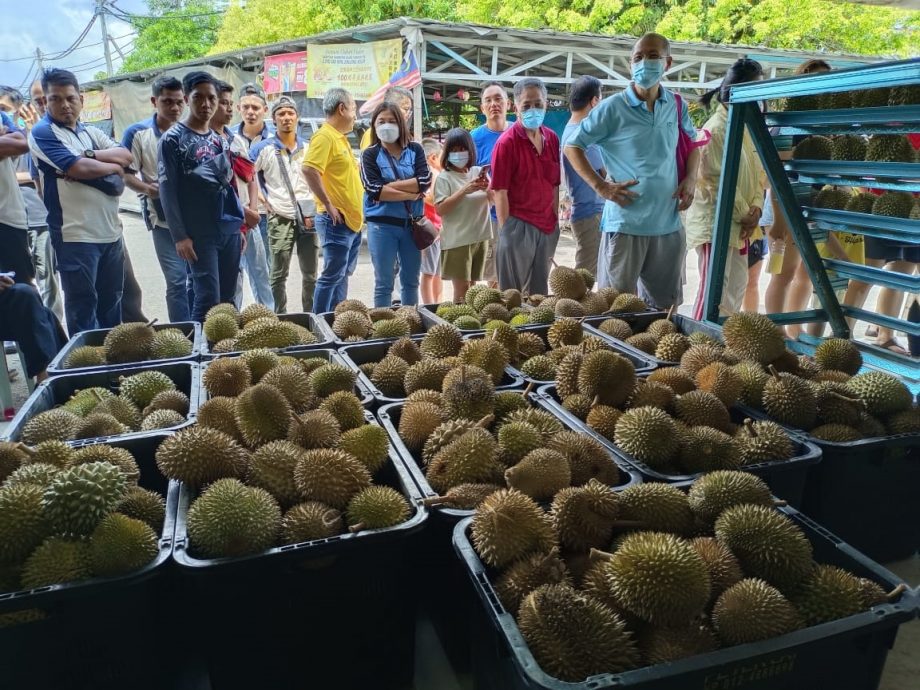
(525, 184)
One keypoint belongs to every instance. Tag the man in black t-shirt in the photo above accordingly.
(202, 210)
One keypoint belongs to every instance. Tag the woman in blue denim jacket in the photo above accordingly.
(395, 176)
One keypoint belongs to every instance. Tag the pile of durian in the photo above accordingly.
(471, 441)
(891, 204)
(257, 326)
(69, 514)
(146, 401)
(866, 98)
(354, 322)
(605, 581)
(658, 339)
(131, 342)
(484, 305)
(283, 454)
(878, 148)
(677, 420)
(574, 298)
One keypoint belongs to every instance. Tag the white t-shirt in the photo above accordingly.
(274, 189)
(468, 221)
(12, 207)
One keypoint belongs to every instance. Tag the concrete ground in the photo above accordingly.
(903, 667)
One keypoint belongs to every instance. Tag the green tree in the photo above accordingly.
(177, 30)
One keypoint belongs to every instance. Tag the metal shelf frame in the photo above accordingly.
(744, 113)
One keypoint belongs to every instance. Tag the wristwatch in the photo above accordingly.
(89, 153)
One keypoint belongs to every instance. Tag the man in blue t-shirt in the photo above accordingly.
(494, 105)
(587, 205)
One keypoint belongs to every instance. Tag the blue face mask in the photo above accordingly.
(647, 73)
(533, 118)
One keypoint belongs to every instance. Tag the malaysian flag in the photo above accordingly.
(408, 76)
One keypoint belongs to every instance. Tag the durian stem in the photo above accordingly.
(596, 401)
(486, 421)
(330, 516)
(356, 528)
(670, 313)
(98, 395)
(772, 370)
(28, 450)
(297, 420)
(853, 401)
(434, 501)
(780, 504)
(463, 371)
(553, 262)
(527, 391)
(896, 592)
(749, 427)
(152, 321)
(598, 555)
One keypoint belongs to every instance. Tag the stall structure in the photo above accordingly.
(806, 221)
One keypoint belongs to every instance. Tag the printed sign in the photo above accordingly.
(285, 73)
(97, 106)
(359, 67)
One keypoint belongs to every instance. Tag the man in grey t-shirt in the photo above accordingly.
(36, 214)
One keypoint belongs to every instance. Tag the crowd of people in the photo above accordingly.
(219, 202)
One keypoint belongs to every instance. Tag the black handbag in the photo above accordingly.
(424, 232)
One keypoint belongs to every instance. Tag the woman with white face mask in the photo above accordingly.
(462, 200)
(395, 176)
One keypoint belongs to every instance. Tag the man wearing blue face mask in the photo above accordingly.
(642, 246)
(525, 182)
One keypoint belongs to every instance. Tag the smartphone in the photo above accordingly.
(8, 274)
(484, 171)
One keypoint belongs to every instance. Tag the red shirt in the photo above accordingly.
(530, 178)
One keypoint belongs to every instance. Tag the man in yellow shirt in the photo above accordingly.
(332, 174)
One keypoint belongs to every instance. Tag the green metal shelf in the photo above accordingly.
(901, 119)
(901, 230)
(876, 276)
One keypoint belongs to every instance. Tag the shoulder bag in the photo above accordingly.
(685, 144)
(424, 232)
(300, 213)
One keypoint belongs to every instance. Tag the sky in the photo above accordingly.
(53, 25)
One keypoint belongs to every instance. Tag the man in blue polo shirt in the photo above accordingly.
(587, 205)
(642, 247)
(82, 173)
(141, 139)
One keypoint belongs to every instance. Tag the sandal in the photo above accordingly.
(892, 345)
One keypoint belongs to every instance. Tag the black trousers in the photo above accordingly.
(15, 254)
(131, 309)
(32, 325)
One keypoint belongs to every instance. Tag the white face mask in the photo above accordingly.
(387, 133)
(458, 159)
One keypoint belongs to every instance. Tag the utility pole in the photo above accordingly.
(39, 60)
(100, 11)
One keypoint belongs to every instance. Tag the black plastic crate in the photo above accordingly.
(192, 330)
(786, 478)
(847, 654)
(639, 322)
(58, 389)
(884, 473)
(362, 390)
(440, 571)
(332, 613)
(324, 335)
(641, 361)
(96, 634)
(357, 354)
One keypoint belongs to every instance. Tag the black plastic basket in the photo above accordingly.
(324, 335)
(846, 654)
(58, 390)
(329, 316)
(641, 361)
(96, 634)
(331, 613)
(362, 390)
(192, 329)
(639, 322)
(786, 478)
(884, 473)
(361, 353)
(440, 571)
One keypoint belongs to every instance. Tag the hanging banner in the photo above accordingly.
(285, 73)
(361, 68)
(97, 106)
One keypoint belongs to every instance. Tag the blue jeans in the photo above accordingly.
(215, 273)
(92, 276)
(263, 230)
(32, 325)
(340, 247)
(179, 296)
(255, 264)
(387, 243)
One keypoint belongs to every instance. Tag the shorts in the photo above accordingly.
(757, 250)
(464, 263)
(431, 259)
(889, 250)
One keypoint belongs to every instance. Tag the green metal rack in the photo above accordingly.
(744, 111)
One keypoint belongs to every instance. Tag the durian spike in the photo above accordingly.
(356, 528)
(485, 421)
(896, 592)
(28, 450)
(774, 372)
(749, 427)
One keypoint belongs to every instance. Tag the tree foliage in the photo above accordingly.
(177, 30)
